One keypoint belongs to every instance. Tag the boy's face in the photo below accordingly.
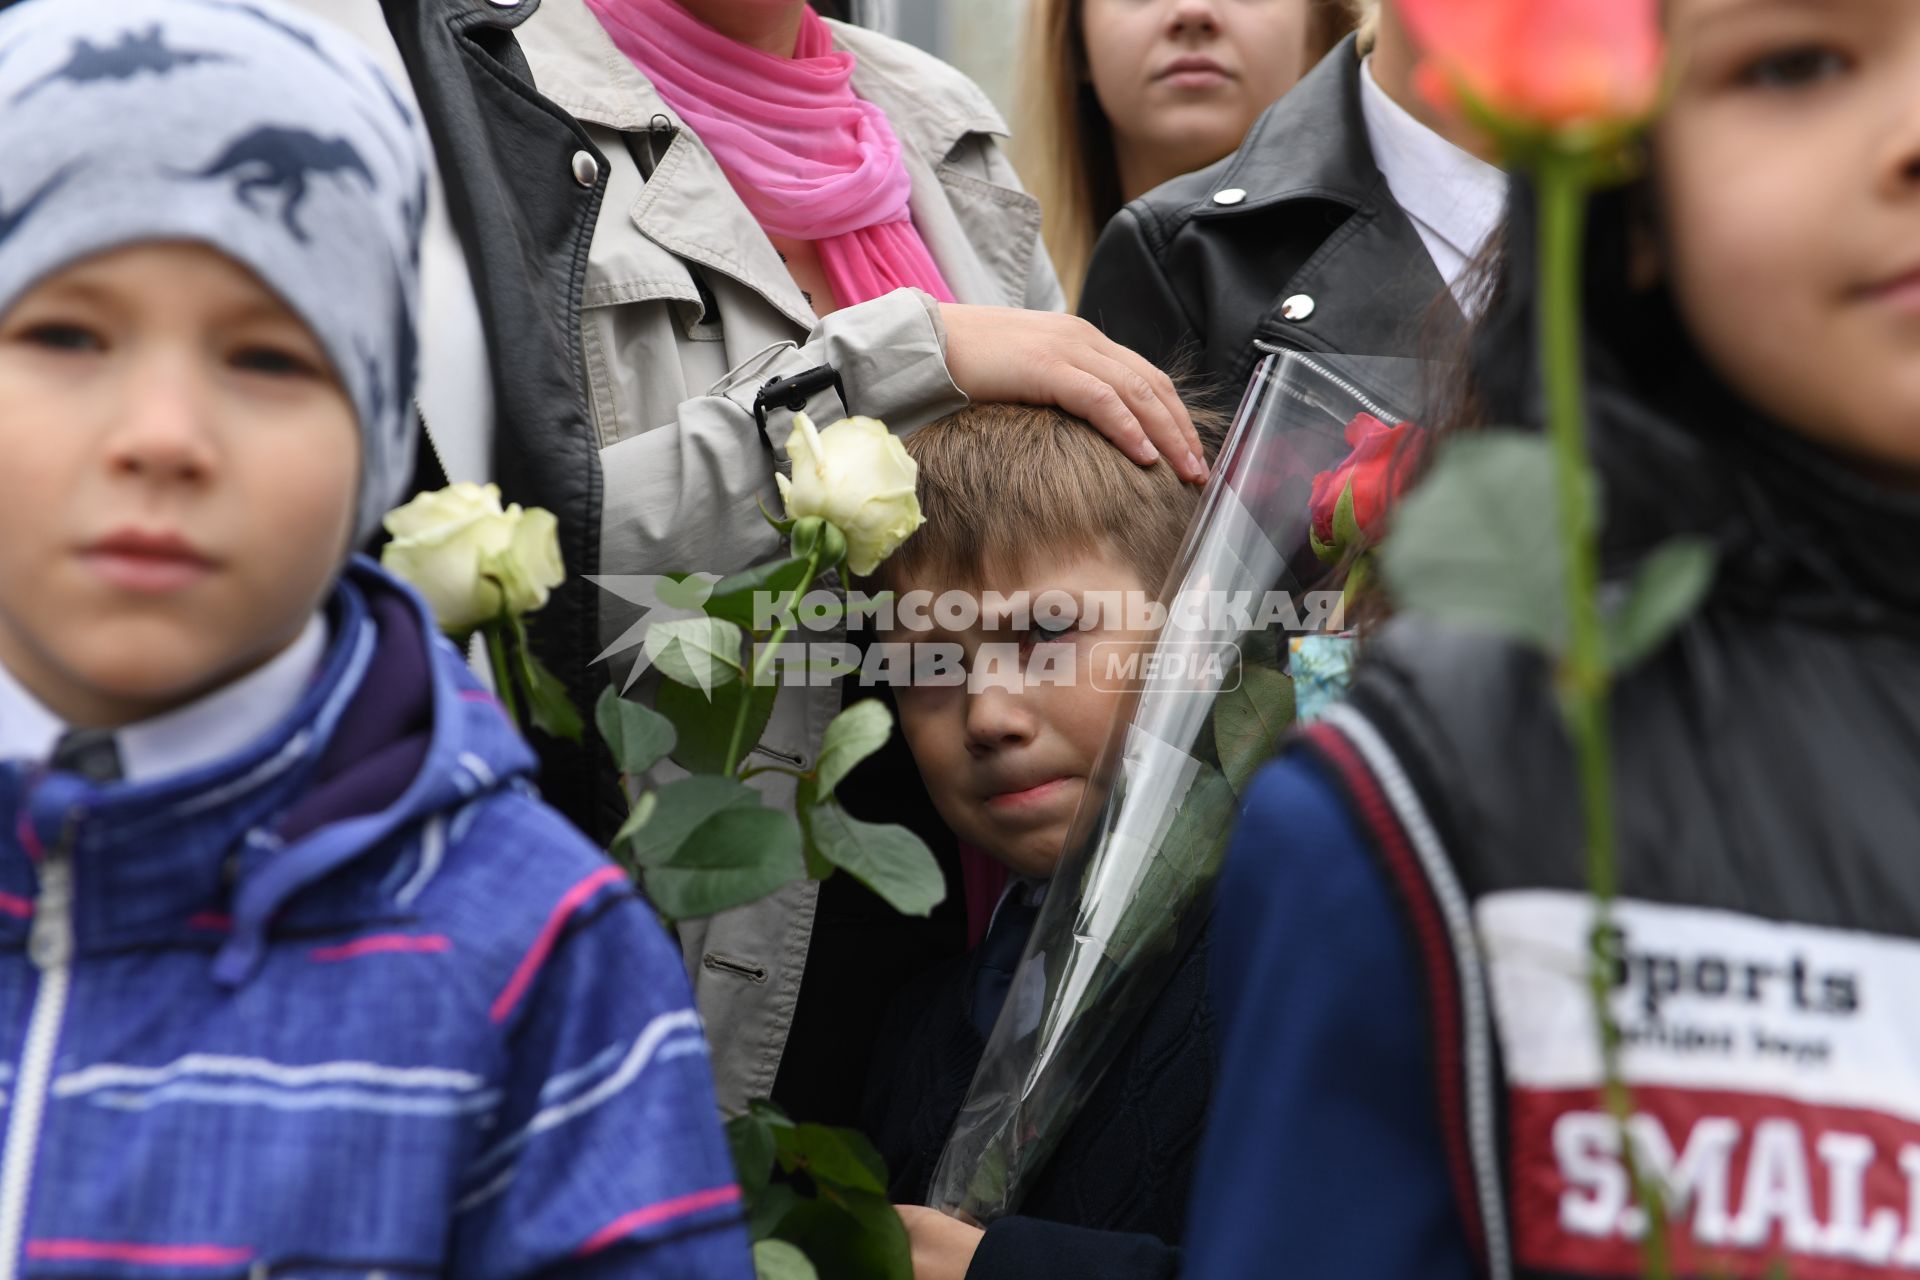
(1007, 768)
(179, 486)
(1788, 166)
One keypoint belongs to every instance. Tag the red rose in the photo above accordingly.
(1556, 65)
(1383, 458)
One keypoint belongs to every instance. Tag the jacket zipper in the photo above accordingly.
(1360, 397)
(433, 447)
(50, 947)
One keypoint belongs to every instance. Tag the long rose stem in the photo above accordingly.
(1584, 674)
(736, 748)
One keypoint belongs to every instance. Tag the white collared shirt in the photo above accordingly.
(456, 381)
(1454, 199)
(205, 730)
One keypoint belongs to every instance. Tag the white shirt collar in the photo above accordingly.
(1454, 199)
(208, 729)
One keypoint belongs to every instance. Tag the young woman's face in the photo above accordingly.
(1181, 81)
(1789, 172)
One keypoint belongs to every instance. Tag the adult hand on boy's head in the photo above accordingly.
(1042, 357)
(942, 1247)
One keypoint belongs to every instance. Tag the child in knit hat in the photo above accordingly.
(297, 975)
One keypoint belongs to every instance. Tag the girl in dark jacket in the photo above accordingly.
(1410, 1078)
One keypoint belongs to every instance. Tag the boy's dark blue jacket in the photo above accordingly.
(1110, 1203)
(352, 1002)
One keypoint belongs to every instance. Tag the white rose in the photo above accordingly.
(460, 550)
(530, 567)
(857, 476)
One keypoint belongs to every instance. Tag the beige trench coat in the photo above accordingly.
(687, 311)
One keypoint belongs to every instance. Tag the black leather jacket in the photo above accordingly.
(507, 156)
(1196, 271)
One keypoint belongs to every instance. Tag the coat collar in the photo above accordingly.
(1373, 285)
(688, 208)
(1311, 143)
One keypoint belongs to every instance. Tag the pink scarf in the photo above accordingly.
(810, 160)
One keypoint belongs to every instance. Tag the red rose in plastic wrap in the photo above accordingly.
(1350, 503)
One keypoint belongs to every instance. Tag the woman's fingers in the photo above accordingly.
(1167, 429)
(1180, 442)
(1038, 357)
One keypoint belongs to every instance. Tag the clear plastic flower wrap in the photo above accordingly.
(1209, 702)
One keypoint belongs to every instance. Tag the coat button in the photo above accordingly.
(1298, 307)
(586, 170)
(1232, 195)
(505, 4)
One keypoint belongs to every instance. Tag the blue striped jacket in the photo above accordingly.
(351, 1003)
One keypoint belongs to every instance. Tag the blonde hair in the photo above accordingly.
(1366, 22)
(1008, 485)
(1064, 145)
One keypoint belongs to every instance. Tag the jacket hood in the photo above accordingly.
(393, 731)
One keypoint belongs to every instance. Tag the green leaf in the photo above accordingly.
(733, 597)
(1666, 590)
(838, 1158)
(703, 653)
(855, 734)
(684, 591)
(737, 856)
(1478, 544)
(553, 711)
(548, 703)
(638, 736)
(1346, 526)
(1248, 721)
(890, 860)
(778, 1260)
(680, 808)
(851, 1237)
(765, 1211)
(750, 1140)
(639, 816)
(705, 724)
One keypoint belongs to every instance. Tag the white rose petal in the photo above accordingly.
(451, 505)
(530, 567)
(449, 543)
(857, 475)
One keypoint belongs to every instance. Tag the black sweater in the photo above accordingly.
(1112, 1202)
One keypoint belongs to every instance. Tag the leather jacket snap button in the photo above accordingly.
(1232, 195)
(586, 170)
(1298, 307)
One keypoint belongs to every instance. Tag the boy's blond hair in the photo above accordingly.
(1009, 487)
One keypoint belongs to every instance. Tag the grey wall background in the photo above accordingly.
(981, 37)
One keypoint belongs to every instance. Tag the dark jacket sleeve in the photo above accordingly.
(1034, 1249)
(1129, 298)
(1323, 1156)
